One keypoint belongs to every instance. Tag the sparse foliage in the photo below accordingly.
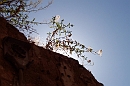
(60, 39)
(16, 12)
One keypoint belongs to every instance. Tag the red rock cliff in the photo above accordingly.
(44, 68)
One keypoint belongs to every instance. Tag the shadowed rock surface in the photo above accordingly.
(44, 68)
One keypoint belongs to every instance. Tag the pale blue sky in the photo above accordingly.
(101, 24)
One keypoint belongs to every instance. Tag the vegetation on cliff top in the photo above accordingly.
(16, 12)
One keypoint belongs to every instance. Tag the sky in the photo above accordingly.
(101, 24)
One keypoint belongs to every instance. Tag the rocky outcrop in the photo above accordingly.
(44, 67)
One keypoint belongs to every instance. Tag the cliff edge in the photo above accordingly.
(25, 64)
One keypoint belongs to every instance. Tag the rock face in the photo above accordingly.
(44, 68)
